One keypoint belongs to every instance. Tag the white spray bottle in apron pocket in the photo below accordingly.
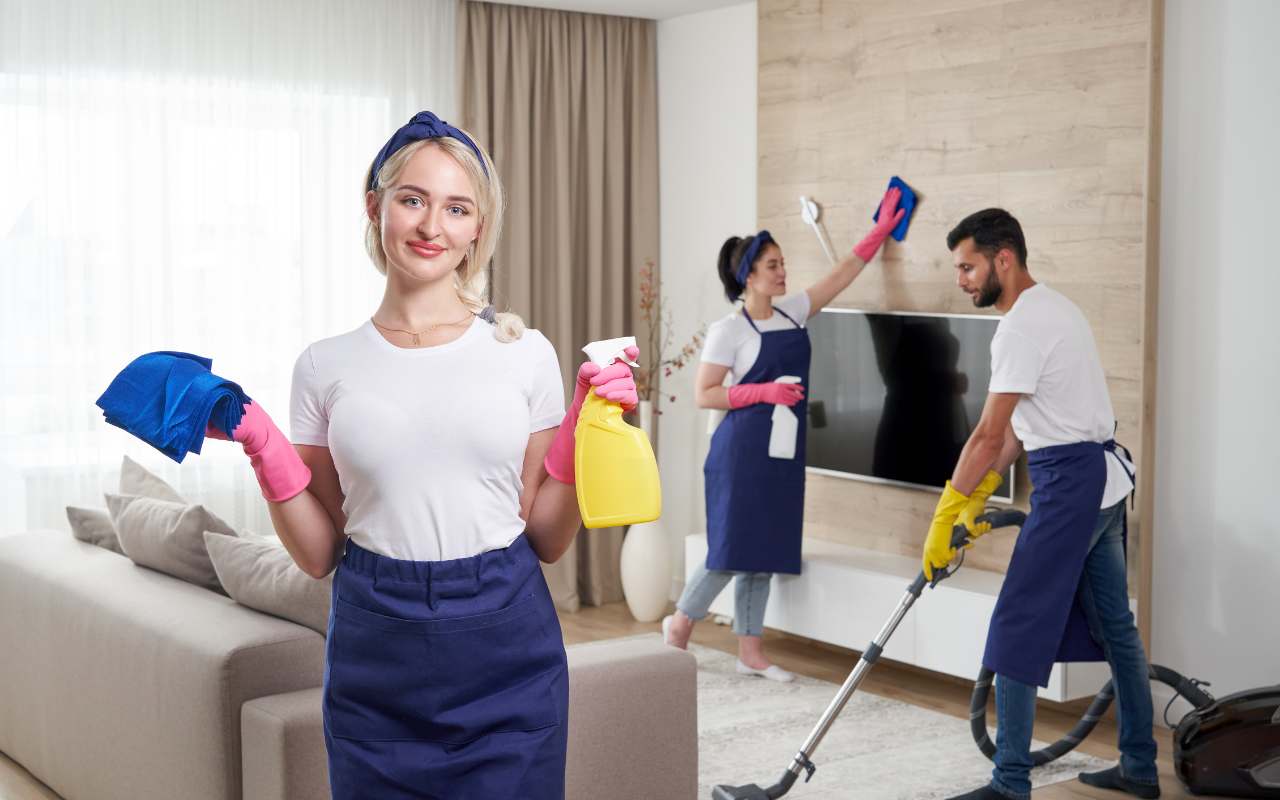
(785, 428)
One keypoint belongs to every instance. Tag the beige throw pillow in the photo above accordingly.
(93, 526)
(167, 536)
(135, 479)
(260, 574)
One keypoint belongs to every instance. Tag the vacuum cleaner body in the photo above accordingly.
(1232, 746)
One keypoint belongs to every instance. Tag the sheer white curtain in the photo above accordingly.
(185, 175)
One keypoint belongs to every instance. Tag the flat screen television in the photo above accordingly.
(894, 396)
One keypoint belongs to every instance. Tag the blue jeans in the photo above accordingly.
(1104, 594)
(750, 596)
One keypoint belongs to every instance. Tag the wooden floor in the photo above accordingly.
(910, 685)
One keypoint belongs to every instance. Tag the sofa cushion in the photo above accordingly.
(94, 527)
(167, 536)
(283, 741)
(633, 720)
(260, 573)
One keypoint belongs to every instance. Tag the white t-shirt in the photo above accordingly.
(732, 343)
(1044, 350)
(428, 443)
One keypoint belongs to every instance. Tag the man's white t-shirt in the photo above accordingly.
(429, 442)
(1044, 350)
(731, 341)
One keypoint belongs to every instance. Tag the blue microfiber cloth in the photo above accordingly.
(907, 203)
(166, 399)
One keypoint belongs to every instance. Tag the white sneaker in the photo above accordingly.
(666, 630)
(773, 672)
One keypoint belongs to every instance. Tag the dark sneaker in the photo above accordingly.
(985, 793)
(1112, 779)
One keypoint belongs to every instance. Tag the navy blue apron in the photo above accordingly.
(1038, 618)
(445, 679)
(755, 503)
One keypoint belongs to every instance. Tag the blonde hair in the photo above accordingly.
(471, 277)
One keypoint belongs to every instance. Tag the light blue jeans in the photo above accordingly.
(1105, 596)
(750, 596)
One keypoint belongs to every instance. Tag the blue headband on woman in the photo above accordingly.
(424, 125)
(748, 258)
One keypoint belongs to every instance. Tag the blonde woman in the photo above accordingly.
(432, 466)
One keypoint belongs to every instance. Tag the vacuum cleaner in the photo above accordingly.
(1228, 747)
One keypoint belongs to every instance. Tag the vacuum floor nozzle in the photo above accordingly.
(749, 792)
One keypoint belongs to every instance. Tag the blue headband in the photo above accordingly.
(424, 125)
(748, 258)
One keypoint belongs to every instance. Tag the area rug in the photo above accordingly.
(750, 728)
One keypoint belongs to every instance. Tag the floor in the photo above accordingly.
(930, 690)
(908, 684)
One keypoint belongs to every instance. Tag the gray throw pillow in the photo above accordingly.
(260, 573)
(94, 527)
(167, 537)
(135, 479)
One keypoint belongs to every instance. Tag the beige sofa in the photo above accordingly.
(120, 682)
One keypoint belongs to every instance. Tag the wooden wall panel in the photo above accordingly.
(1039, 106)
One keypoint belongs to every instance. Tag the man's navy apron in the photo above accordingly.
(755, 503)
(1038, 618)
(445, 679)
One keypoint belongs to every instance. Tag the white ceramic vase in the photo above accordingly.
(646, 567)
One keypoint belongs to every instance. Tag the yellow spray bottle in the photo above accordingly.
(617, 473)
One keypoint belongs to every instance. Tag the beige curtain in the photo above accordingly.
(567, 104)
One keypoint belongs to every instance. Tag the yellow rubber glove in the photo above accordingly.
(978, 505)
(937, 545)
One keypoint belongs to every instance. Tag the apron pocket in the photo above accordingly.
(447, 680)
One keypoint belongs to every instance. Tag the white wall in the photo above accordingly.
(1216, 590)
(707, 189)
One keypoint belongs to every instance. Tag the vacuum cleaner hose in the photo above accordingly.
(1185, 687)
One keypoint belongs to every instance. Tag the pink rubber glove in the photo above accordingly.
(279, 468)
(615, 382)
(866, 249)
(778, 394)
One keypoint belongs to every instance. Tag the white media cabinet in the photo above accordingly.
(845, 594)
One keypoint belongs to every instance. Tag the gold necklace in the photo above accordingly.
(415, 334)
